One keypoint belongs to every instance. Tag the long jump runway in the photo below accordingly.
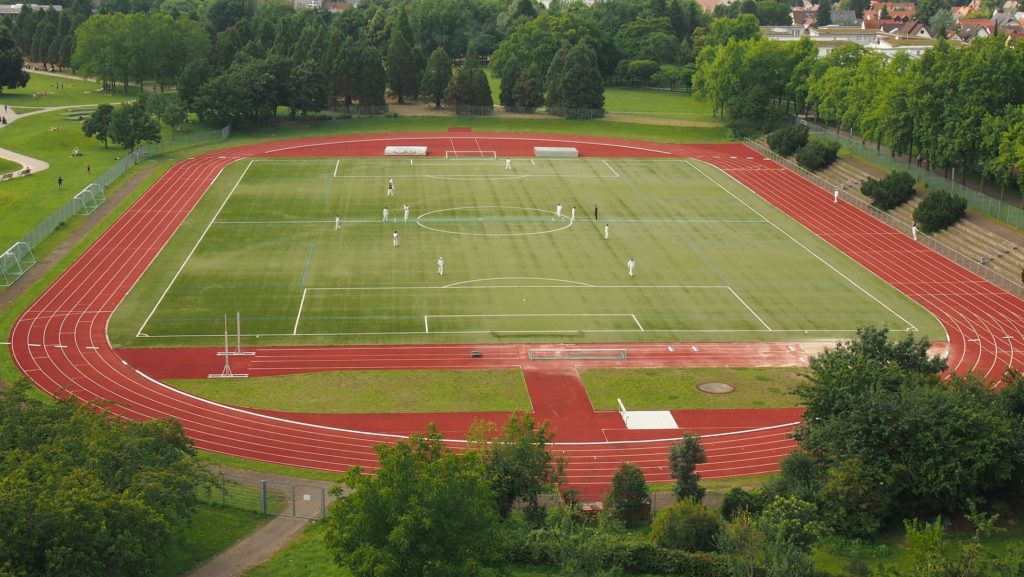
(60, 341)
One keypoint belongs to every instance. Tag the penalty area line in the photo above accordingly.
(637, 323)
(298, 316)
(744, 303)
(611, 169)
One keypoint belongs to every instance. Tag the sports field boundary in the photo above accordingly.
(69, 354)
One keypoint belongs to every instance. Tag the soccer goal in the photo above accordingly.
(14, 262)
(479, 154)
(89, 199)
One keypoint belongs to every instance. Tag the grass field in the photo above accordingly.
(42, 92)
(663, 389)
(8, 166)
(373, 392)
(714, 261)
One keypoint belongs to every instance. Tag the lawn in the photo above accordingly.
(42, 91)
(8, 166)
(714, 261)
(212, 530)
(658, 103)
(372, 392)
(661, 389)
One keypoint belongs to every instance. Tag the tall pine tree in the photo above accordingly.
(437, 75)
(11, 74)
(509, 77)
(581, 87)
(824, 13)
(403, 75)
(553, 84)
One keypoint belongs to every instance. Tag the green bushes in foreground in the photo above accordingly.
(939, 210)
(817, 154)
(788, 140)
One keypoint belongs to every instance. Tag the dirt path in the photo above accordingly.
(259, 546)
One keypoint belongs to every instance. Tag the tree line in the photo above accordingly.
(959, 109)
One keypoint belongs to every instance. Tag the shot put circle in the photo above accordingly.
(716, 388)
(449, 224)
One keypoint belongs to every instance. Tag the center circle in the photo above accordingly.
(494, 221)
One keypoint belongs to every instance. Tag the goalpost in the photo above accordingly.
(89, 199)
(14, 262)
(477, 154)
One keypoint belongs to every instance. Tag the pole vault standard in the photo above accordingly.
(238, 352)
(227, 372)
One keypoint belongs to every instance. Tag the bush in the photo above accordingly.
(629, 500)
(687, 526)
(817, 154)
(737, 500)
(939, 210)
(890, 192)
(786, 141)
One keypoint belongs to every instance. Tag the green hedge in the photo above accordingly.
(890, 192)
(939, 210)
(817, 154)
(786, 141)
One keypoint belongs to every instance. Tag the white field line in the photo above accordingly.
(638, 323)
(298, 316)
(610, 168)
(744, 303)
(337, 163)
(802, 245)
(610, 331)
(426, 323)
(459, 286)
(191, 252)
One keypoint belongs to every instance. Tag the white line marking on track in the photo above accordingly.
(191, 252)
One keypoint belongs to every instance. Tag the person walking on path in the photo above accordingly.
(394, 238)
(385, 214)
(606, 232)
(405, 213)
(337, 222)
(630, 264)
(440, 266)
(595, 211)
(60, 183)
(391, 187)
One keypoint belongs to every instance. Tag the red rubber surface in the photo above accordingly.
(60, 342)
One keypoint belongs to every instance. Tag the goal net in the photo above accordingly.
(89, 199)
(14, 262)
(480, 154)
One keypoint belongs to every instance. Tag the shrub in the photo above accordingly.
(939, 210)
(890, 192)
(687, 526)
(786, 141)
(629, 500)
(817, 154)
(737, 500)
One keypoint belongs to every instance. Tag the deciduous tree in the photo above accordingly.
(131, 125)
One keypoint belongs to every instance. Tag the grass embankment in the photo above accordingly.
(664, 389)
(372, 392)
(212, 530)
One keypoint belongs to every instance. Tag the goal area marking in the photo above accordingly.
(462, 154)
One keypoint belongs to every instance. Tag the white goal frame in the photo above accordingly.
(14, 262)
(474, 154)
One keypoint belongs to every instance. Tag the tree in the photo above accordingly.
(469, 89)
(824, 15)
(98, 123)
(553, 82)
(580, 88)
(683, 459)
(403, 75)
(518, 463)
(11, 63)
(790, 526)
(427, 511)
(629, 499)
(528, 93)
(437, 75)
(89, 494)
(509, 77)
(130, 125)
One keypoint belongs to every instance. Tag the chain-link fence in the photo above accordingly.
(1002, 211)
(270, 497)
(1013, 286)
(92, 195)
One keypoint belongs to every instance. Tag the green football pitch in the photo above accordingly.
(713, 261)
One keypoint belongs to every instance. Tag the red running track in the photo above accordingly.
(60, 342)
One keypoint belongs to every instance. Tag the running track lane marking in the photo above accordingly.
(744, 303)
(191, 252)
(298, 316)
(798, 243)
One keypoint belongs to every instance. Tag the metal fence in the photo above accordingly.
(1013, 286)
(280, 498)
(92, 195)
(1010, 214)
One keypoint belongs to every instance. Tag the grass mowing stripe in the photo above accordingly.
(806, 248)
(193, 251)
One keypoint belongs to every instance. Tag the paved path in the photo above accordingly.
(259, 546)
(26, 161)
